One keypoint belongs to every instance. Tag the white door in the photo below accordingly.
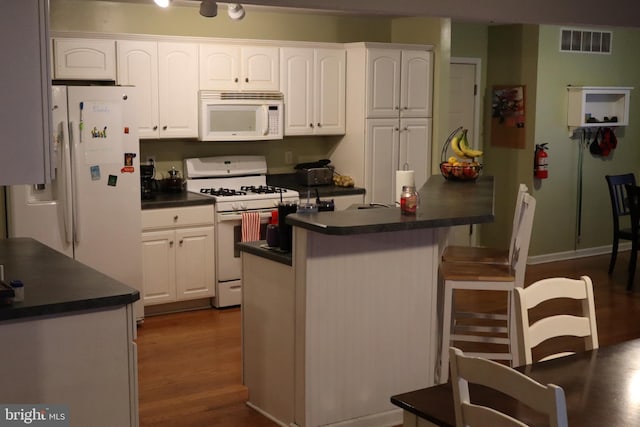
(44, 212)
(138, 66)
(195, 277)
(383, 83)
(297, 88)
(415, 148)
(415, 84)
(159, 267)
(329, 91)
(463, 112)
(178, 89)
(381, 160)
(219, 67)
(260, 68)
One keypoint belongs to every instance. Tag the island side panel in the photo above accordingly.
(268, 336)
(369, 311)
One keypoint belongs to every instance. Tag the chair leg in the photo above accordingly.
(447, 325)
(614, 254)
(633, 257)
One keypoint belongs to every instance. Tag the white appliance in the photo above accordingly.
(238, 184)
(240, 116)
(91, 210)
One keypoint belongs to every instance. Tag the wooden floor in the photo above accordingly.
(189, 363)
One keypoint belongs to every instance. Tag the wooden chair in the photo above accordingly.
(633, 203)
(547, 399)
(485, 327)
(555, 325)
(454, 253)
(619, 209)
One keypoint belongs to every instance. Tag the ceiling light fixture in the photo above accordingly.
(236, 11)
(208, 8)
(162, 3)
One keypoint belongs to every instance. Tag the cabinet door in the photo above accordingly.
(329, 91)
(91, 59)
(178, 89)
(138, 66)
(415, 148)
(219, 67)
(158, 267)
(383, 83)
(25, 85)
(415, 84)
(297, 87)
(381, 160)
(195, 276)
(260, 68)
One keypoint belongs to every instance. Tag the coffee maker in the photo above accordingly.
(147, 172)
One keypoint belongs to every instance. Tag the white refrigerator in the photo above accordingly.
(91, 210)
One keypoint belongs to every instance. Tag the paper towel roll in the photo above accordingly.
(403, 178)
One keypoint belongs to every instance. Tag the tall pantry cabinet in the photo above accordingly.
(389, 117)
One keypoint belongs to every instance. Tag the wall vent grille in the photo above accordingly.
(585, 41)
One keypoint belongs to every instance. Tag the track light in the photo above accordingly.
(236, 11)
(162, 3)
(208, 8)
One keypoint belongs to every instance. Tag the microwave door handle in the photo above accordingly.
(265, 112)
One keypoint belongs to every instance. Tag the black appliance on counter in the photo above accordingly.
(147, 183)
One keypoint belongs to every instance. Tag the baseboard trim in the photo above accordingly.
(580, 253)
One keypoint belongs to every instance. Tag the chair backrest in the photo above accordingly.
(555, 325)
(633, 203)
(518, 260)
(549, 399)
(617, 194)
(517, 212)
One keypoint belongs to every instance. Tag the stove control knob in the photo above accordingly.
(243, 206)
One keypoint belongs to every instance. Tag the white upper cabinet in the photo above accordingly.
(26, 86)
(313, 83)
(84, 59)
(166, 74)
(398, 83)
(234, 67)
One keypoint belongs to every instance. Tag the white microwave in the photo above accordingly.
(240, 116)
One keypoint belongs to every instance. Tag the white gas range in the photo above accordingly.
(237, 184)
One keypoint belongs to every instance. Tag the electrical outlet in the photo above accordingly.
(151, 160)
(288, 157)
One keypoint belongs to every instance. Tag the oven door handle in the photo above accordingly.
(238, 216)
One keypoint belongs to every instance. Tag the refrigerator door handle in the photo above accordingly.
(74, 188)
(65, 175)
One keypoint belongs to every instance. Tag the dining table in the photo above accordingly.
(602, 388)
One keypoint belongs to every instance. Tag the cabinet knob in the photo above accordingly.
(406, 108)
(397, 108)
(396, 129)
(164, 127)
(181, 242)
(170, 242)
(155, 127)
(319, 125)
(406, 129)
(235, 80)
(246, 79)
(175, 218)
(310, 125)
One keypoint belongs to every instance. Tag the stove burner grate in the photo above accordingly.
(263, 189)
(222, 192)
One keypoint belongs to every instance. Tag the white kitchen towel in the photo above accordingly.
(403, 177)
(250, 226)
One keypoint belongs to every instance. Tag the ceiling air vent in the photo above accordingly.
(585, 41)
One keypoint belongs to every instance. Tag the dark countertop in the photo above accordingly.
(260, 249)
(442, 204)
(288, 180)
(173, 200)
(54, 283)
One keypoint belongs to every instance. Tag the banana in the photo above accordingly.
(463, 145)
(455, 146)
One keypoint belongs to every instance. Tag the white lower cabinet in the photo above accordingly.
(178, 254)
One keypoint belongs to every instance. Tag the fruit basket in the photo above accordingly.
(462, 166)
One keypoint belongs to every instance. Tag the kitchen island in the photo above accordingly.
(353, 320)
(70, 341)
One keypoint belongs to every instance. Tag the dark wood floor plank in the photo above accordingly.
(189, 363)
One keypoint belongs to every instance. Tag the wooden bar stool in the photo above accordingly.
(483, 254)
(485, 327)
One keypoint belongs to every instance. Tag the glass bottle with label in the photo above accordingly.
(409, 200)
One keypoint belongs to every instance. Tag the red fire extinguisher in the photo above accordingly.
(541, 162)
